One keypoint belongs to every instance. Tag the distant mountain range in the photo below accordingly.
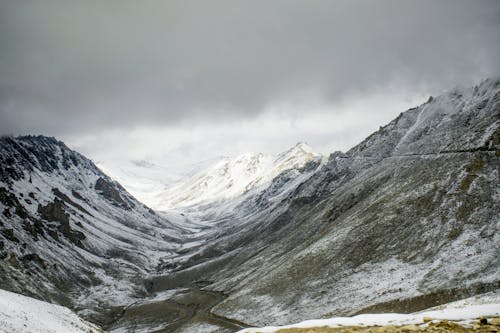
(214, 180)
(406, 220)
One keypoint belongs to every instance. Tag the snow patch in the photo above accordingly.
(24, 314)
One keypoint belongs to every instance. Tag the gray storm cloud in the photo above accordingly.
(80, 66)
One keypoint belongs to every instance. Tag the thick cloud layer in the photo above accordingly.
(83, 66)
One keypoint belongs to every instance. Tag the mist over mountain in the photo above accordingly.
(222, 166)
(262, 239)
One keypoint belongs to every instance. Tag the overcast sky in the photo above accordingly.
(194, 79)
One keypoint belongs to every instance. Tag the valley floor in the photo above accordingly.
(186, 310)
(20, 314)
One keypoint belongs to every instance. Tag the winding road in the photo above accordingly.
(171, 315)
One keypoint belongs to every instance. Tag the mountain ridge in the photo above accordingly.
(233, 176)
(361, 214)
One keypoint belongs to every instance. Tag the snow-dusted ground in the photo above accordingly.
(21, 314)
(463, 312)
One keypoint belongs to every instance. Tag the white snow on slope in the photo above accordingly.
(232, 177)
(463, 312)
(120, 242)
(21, 314)
(146, 180)
(162, 189)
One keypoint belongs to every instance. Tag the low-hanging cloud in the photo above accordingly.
(83, 66)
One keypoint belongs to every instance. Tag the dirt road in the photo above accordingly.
(171, 315)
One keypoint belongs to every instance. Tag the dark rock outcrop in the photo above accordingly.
(108, 190)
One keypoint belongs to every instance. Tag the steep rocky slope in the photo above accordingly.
(407, 219)
(70, 234)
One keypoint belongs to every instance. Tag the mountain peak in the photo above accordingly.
(298, 154)
(233, 177)
(301, 145)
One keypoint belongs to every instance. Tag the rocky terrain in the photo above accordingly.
(406, 220)
(71, 235)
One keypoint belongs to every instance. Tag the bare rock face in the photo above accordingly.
(108, 191)
(54, 211)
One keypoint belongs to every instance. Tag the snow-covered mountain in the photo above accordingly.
(147, 179)
(70, 234)
(413, 207)
(232, 177)
(223, 179)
